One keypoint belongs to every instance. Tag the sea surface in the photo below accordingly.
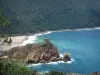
(82, 45)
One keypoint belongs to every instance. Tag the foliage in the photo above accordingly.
(4, 23)
(33, 16)
(11, 67)
(55, 73)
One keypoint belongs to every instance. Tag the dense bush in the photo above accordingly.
(4, 24)
(10, 67)
(55, 73)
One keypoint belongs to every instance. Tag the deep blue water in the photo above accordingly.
(83, 46)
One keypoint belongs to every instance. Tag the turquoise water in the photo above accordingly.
(83, 46)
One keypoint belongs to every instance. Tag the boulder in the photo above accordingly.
(53, 59)
(42, 61)
(59, 59)
(66, 57)
(45, 56)
(30, 61)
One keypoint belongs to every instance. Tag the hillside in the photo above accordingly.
(31, 16)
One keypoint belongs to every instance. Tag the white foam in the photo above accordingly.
(52, 63)
(61, 55)
(30, 65)
(48, 32)
(74, 29)
(78, 29)
(55, 63)
(72, 60)
(42, 72)
(61, 62)
(30, 40)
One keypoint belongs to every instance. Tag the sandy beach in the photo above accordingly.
(16, 41)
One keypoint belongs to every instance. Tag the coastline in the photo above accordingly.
(52, 63)
(22, 40)
(19, 40)
(32, 37)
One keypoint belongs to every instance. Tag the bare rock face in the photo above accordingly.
(35, 53)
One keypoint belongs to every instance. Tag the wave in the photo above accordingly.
(49, 32)
(32, 38)
(81, 29)
(52, 63)
(61, 55)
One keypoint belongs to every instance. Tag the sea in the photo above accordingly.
(83, 45)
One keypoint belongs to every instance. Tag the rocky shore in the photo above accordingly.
(36, 53)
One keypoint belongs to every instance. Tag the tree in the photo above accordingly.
(4, 23)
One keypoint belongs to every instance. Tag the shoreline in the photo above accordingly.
(50, 31)
(22, 40)
(32, 37)
(52, 63)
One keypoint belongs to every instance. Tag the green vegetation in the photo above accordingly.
(14, 67)
(55, 73)
(3, 21)
(11, 67)
(37, 16)
(4, 24)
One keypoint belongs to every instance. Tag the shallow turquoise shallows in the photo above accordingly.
(83, 46)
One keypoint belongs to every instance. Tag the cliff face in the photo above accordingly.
(34, 53)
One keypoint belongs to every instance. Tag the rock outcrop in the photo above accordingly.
(35, 53)
(66, 57)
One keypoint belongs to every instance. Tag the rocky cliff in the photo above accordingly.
(35, 53)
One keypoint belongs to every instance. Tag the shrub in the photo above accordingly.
(55, 73)
(10, 67)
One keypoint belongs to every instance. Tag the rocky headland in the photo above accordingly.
(36, 53)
